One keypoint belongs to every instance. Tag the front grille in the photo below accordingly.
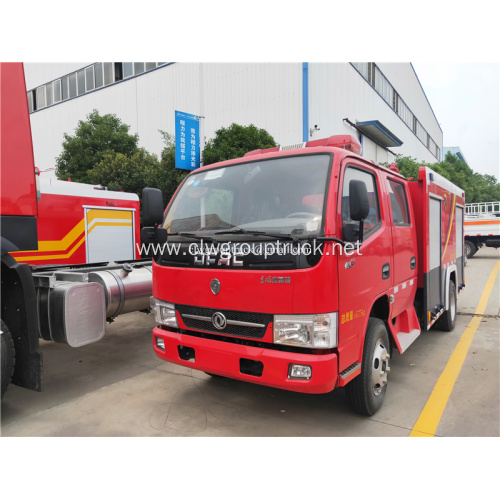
(253, 332)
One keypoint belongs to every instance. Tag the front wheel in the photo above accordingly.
(8, 356)
(366, 392)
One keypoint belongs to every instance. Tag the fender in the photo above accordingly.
(7, 246)
(379, 316)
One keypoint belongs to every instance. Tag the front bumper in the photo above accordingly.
(224, 358)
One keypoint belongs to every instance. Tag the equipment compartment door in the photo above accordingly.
(433, 277)
(109, 234)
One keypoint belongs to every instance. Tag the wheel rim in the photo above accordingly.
(380, 367)
(453, 304)
(467, 250)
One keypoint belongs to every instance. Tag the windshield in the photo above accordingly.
(279, 196)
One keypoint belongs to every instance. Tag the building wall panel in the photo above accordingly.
(270, 96)
(338, 91)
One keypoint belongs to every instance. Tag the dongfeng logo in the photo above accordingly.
(219, 321)
(215, 286)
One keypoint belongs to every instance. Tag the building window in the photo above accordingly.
(99, 79)
(89, 78)
(65, 87)
(57, 90)
(138, 68)
(30, 102)
(108, 73)
(72, 85)
(128, 69)
(395, 99)
(81, 82)
(371, 74)
(118, 72)
(48, 94)
(40, 97)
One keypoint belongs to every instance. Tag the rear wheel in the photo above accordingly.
(446, 321)
(470, 248)
(8, 357)
(366, 392)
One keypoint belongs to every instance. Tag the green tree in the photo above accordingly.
(119, 172)
(234, 141)
(478, 188)
(94, 138)
(167, 177)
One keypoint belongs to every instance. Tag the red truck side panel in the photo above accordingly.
(435, 200)
(64, 226)
(16, 150)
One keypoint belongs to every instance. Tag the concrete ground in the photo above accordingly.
(117, 387)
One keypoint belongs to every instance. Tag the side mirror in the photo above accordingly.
(359, 205)
(152, 207)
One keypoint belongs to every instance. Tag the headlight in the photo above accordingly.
(164, 312)
(306, 330)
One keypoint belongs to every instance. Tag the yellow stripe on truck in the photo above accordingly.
(108, 214)
(453, 208)
(109, 224)
(54, 256)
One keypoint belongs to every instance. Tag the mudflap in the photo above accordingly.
(19, 311)
(405, 330)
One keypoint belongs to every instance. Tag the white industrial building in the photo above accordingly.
(383, 104)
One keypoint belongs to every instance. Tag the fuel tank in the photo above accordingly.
(126, 290)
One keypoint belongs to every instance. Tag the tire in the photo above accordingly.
(470, 248)
(366, 392)
(8, 357)
(446, 322)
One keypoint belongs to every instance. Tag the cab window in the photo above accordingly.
(372, 222)
(399, 203)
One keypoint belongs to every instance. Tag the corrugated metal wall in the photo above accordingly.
(268, 95)
(337, 91)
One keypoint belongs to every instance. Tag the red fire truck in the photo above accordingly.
(57, 241)
(93, 225)
(301, 267)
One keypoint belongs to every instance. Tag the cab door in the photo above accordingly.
(404, 246)
(364, 273)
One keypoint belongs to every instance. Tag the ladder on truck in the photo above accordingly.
(488, 207)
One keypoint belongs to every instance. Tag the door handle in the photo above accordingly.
(413, 263)
(386, 271)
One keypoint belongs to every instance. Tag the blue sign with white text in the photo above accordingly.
(187, 141)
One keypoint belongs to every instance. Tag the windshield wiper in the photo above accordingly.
(328, 238)
(195, 236)
(259, 233)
